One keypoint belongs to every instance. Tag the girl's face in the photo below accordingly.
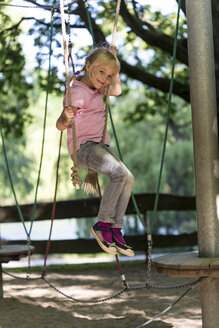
(100, 76)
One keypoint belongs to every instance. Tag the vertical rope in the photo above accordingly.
(115, 22)
(75, 177)
(167, 121)
(106, 116)
(112, 44)
(151, 227)
(70, 59)
(90, 23)
(44, 125)
(42, 148)
(53, 206)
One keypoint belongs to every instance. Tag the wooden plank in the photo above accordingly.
(187, 265)
(186, 260)
(186, 273)
(7, 250)
(215, 264)
(85, 208)
(13, 252)
(1, 282)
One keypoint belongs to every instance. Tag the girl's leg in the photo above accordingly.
(115, 199)
(117, 193)
(123, 200)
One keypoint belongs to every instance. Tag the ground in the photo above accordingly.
(34, 304)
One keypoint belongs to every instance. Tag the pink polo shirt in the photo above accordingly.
(90, 116)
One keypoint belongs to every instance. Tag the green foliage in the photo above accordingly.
(179, 165)
(141, 145)
(20, 166)
(139, 114)
(13, 84)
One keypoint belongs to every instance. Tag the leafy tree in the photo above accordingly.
(141, 32)
(13, 84)
(20, 166)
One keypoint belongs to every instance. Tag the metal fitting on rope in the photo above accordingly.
(28, 256)
(149, 239)
(28, 240)
(125, 284)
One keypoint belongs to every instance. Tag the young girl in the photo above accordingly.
(101, 70)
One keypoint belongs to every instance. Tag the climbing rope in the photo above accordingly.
(28, 233)
(108, 89)
(53, 206)
(154, 216)
(126, 288)
(89, 23)
(167, 119)
(118, 5)
(75, 169)
(167, 309)
(70, 59)
(29, 7)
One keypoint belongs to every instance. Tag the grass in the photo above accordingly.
(76, 268)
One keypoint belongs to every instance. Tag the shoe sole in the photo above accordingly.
(125, 252)
(106, 249)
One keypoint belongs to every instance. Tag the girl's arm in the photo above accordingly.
(115, 86)
(66, 117)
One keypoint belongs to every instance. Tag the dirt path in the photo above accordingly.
(34, 304)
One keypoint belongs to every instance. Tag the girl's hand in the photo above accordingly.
(66, 117)
(113, 50)
(68, 114)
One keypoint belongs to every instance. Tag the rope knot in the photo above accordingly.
(76, 181)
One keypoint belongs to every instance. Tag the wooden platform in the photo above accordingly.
(13, 252)
(187, 265)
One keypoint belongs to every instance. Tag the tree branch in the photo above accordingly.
(155, 39)
(139, 20)
(131, 71)
(99, 36)
(151, 80)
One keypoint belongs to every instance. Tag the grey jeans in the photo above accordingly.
(99, 158)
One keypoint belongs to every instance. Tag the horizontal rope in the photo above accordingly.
(31, 7)
(100, 300)
(116, 294)
(167, 309)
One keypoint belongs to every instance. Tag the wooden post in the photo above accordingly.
(1, 282)
(205, 138)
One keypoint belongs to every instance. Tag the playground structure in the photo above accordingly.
(206, 164)
(206, 158)
(12, 253)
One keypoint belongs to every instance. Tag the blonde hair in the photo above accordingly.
(102, 57)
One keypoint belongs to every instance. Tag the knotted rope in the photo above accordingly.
(74, 175)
